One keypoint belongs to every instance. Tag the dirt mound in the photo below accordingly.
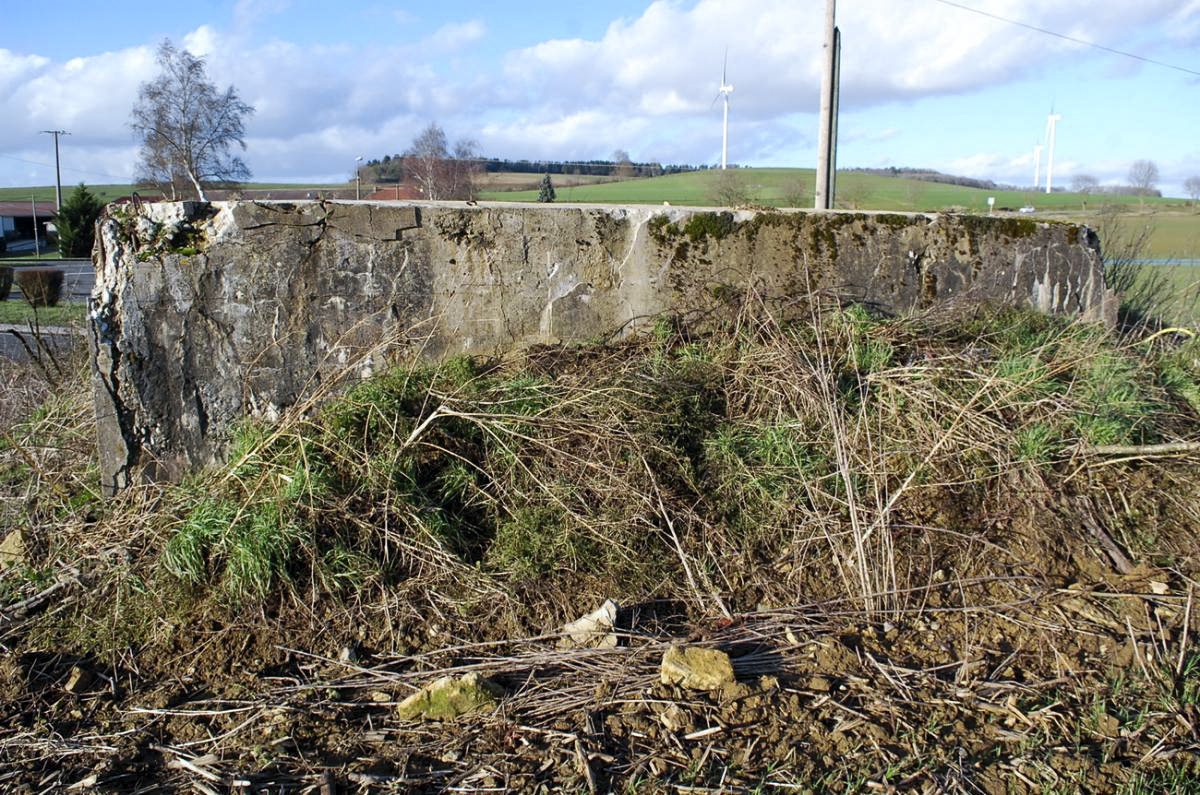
(944, 554)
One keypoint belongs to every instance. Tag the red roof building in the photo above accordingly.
(395, 193)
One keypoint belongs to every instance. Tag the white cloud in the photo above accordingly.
(15, 69)
(202, 41)
(666, 64)
(646, 84)
(455, 36)
(90, 97)
(1184, 24)
(890, 50)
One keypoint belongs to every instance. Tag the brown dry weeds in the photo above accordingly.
(932, 612)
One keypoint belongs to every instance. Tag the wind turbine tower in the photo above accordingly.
(1051, 122)
(724, 93)
(1037, 165)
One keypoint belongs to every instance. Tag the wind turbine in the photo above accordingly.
(1037, 165)
(724, 92)
(1051, 122)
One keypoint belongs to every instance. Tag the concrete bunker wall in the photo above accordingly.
(205, 314)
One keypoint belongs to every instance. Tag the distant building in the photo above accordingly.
(395, 193)
(17, 220)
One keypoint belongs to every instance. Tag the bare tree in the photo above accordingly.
(624, 168)
(1192, 186)
(464, 169)
(854, 194)
(1084, 183)
(1142, 176)
(438, 173)
(797, 192)
(726, 188)
(424, 159)
(187, 128)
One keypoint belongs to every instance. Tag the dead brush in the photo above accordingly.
(47, 439)
(724, 470)
(844, 497)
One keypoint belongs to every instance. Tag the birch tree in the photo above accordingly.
(187, 128)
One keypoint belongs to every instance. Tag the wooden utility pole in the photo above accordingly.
(57, 170)
(827, 131)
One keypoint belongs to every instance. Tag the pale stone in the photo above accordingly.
(696, 668)
(12, 550)
(79, 679)
(820, 684)
(450, 697)
(592, 631)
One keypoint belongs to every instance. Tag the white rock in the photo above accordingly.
(593, 631)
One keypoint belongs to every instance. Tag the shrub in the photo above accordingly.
(76, 223)
(546, 193)
(41, 286)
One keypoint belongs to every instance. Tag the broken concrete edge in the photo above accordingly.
(204, 315)
(165, 228)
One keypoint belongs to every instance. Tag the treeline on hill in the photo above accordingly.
(930, 175)
(1080, 183)
(391, 168)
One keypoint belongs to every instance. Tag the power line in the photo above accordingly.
(66, 168)
(1065, 37)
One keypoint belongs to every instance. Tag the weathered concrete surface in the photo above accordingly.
(203, 314)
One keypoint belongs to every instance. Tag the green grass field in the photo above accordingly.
(774, 186)
(18, 311)
(1174, 234)
(1170, 293)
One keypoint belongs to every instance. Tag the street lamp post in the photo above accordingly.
(358, 178)
(57, 171)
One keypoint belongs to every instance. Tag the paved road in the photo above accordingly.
(56, 338)
(77, 285)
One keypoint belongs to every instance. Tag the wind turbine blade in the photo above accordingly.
(725, 67)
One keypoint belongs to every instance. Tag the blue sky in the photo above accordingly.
(925, 84)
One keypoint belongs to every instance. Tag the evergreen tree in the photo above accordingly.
(76, 223)
(546, 194)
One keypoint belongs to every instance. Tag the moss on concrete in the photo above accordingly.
(712, 225)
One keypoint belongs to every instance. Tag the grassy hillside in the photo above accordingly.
(494, 181)
(862, 191)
